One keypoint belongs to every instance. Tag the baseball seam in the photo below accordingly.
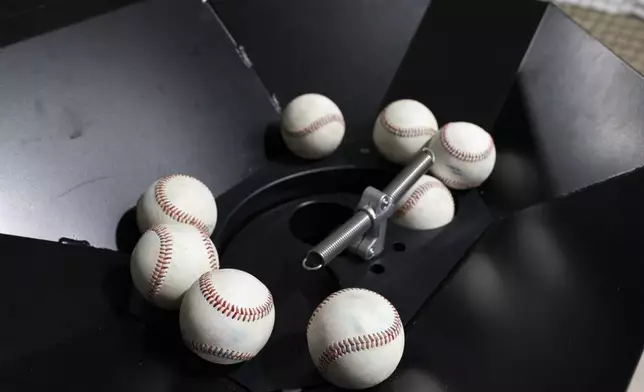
(171, 210)
(326, 301)
(230, 310)
(417, 194)
(464, 155)
(219, 352)
(164, 259)
(317, 124)
(210, 251)
(454, 183)
(404, 132)
(343, 347)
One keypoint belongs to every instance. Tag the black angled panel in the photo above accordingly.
(573, 118)
(465, 55)
(21, 19)
(90, 115)
(347, 50)
(549, 299)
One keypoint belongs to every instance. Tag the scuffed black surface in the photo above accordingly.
(92, 114)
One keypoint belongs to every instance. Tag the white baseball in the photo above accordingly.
(177, 198)
(428, 204)
(312, 126)
(168, 259)
(464, 155)
(402, 128)
(227, 316)
(356, 338)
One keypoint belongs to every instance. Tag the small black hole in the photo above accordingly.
(399, 247)
(377, 268)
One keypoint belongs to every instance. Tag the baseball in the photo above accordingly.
(227, 316)
(464, 155)
(312, 126)
(168, 259)
(177, 198)
(428, 204)
(356, 338)
(402, 128)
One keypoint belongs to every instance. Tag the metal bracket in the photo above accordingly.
(379, 207)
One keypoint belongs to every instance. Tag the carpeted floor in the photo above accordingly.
(622, 34)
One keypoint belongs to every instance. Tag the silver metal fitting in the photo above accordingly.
(364, 233)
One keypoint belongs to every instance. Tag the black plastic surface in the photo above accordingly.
(91, 114)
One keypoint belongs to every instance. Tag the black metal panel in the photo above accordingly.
(549, 300)
(347, 50)
(574, 117)
(48, 286)
(21, 19)
(68, 325)
(90, 115)
(464, 57)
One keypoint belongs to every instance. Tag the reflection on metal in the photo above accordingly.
(364, 233)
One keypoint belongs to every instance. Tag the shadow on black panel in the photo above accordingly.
(275, 148)
(127, 232)
(117, 288)
(519, 179)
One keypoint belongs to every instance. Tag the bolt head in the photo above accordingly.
(384, 202)
(371, 252)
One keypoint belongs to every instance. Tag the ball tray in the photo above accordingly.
(269, 222)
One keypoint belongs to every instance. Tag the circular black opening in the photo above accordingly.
(313, 221)
(377, 268)
(399, 247)
(314, 260)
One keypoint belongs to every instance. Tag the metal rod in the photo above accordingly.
(410, 174)
(337, 241)
(356, 227)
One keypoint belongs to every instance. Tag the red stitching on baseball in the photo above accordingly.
(326, 300)
(318, 124)
(163, 260)
(464, 155)
(404, 132)
(218, 351)
(339, 349)
(454, 183)
(210, 251)
(417, 194)
(162, 199)
(230, 310)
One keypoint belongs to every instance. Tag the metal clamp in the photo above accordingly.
(378, 206)
(364, 233)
